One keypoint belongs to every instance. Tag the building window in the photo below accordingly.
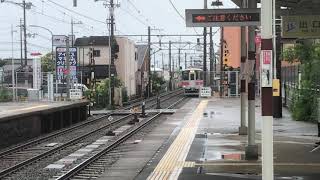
(96, 53)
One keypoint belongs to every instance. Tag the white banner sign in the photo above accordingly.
(36, 73)
(266, 68)
(60, 40)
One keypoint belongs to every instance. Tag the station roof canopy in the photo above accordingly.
(294, 7)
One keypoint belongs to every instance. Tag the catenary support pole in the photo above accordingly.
(266, 90)
(170, 72)
(243, 124)
(252, 148)
(211, 58)
(68, 67)
(221, 60)
(149, 61)
(205, 49)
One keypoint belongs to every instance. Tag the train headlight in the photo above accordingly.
(183, 86)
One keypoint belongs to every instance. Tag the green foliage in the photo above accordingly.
(100, 97)
(304, 104)
(47, 64)
(2, 63)
(157, 82)
(5, 95)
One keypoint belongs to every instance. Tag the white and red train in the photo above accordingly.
(191, 81)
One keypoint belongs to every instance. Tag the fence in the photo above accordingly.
(24, 81)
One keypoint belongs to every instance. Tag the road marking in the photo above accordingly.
(171, 164)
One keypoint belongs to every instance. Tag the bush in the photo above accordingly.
(304, 104)
(5, 95)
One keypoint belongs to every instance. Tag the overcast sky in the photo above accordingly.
(132, 17)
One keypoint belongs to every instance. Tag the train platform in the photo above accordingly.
(201, 141)
(11, 110)
(20, 121)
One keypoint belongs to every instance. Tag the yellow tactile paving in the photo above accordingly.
(173, 161)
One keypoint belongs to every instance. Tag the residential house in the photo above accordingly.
(125, 65)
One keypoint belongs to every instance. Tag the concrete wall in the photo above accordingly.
(232, 35)
(26, 126)
(127, 65)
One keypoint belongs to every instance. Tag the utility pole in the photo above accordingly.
(13, 68)
(266, 70)
(185, 60)
(251, 149)
(205, 49)
(211, 57)
(243, 128)
(149, 61)
(21, 43)
(111, 9)
(68, 67)
(72, 32)
(162, 62)
(179, 59)
(25, 33)
(170, 73)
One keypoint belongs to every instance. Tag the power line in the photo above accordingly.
(129, 13)
(182, 17)
(85, 16)
(174, 7)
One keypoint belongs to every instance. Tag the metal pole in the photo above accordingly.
(149, 62)
(185, 60)
(112, 56)
(71, 32)
(13, 69)
(170, 73)
(266, 90)
(68, 67)
(211, 57)
(25, 33)
(221, 60)
(243, 128)
(252, 148)
(179, 59)
(21, 43)
(205, 50)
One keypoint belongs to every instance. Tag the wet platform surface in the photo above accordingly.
(218, 152)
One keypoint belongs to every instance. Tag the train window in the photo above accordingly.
(185, 75)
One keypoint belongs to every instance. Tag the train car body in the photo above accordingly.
(191, 81)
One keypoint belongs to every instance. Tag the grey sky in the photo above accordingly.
(158, 14)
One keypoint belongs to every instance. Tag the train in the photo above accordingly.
(191, 81)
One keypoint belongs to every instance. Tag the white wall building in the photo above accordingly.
(126, 64)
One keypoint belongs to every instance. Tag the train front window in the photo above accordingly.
(192, 76)
(185, 75)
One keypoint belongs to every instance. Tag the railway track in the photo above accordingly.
(16, 158)
(92, 167)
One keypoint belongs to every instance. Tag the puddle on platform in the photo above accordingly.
(214, 156)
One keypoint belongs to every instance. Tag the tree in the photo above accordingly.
(2, 63)
(47, 64)
(304, 105)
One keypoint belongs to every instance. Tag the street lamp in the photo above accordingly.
(36, 26)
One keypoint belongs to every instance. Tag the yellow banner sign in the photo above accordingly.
(301, 26)
(276, 87)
